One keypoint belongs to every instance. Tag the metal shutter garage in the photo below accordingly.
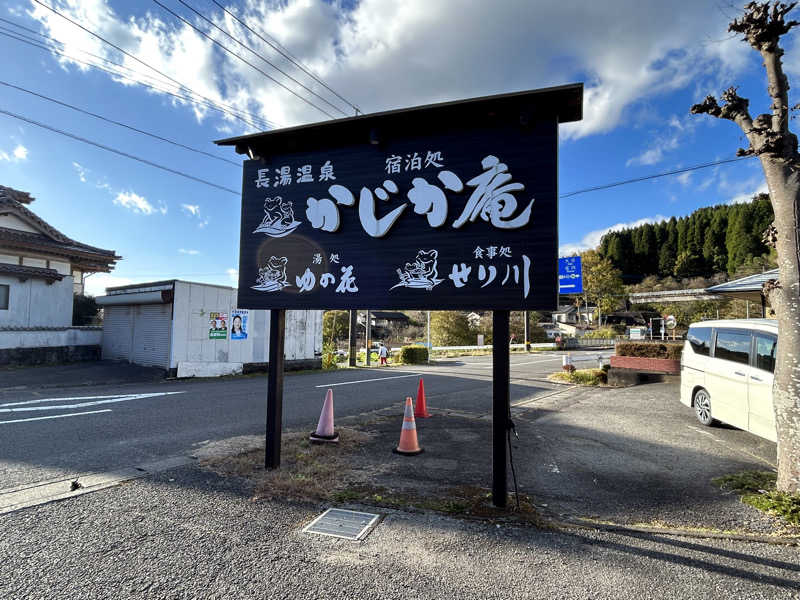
(151, 334)
(117, 332)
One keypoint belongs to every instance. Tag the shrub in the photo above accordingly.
(362, 357)
(329, 356)
(412, 355)
(582, 376)
(649, 350)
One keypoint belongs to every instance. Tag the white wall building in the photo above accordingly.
(195, 329)
(40, 269)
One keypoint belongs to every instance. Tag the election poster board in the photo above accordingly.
(239, 324)
(426, 212)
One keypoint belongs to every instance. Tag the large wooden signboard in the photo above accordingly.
(447, 206)
(426, 208)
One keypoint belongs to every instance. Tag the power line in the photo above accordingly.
(128, 54)
(112, 121)
(288, 56)
(245, 46)
(231, 52)
(208, 104)
(115, 151)
(62, 45)
(654, 176)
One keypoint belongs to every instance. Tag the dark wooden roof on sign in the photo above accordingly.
(563, 102)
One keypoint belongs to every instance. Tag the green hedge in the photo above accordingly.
(644, 350)
(373, 357)
(412, 355)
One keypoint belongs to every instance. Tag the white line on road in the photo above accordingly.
(73, 398)
(25, 406)
(734, 448)
(91, 412)
(698, 430)
(368, 380)
(532, 362)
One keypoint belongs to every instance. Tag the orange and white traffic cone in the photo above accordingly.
(408, 445)
(421, 410)
(325, 433)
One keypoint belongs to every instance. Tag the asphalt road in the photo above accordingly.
(48, 430)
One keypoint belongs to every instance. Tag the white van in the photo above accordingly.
(727, 372)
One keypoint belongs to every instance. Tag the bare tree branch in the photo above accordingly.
(736, 109)
(763, 24)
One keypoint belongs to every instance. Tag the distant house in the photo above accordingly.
(631, 317)
(383, 323)
(570, 314)
(40, 270)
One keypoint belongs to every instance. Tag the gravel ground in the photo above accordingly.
(189, 534)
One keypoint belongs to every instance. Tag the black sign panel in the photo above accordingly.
(456, 219)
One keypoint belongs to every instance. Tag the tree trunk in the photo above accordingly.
(784, 190)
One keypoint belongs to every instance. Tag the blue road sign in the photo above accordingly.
(570, 275)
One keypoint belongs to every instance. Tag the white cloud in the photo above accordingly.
(96, 284)
(433, 51)
(19, 153)
(82, 171)
(748, 196)
(592, 239)
(134, 202)
(664, 142)
(193, 210)
(233, 274)
(684, 178)
(189, 252)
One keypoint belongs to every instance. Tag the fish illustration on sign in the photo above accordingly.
(422, 273)
(278, 218)
(272, 276)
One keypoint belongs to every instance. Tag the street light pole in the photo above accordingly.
(429, 336)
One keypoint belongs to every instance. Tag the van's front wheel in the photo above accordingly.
(702, 407)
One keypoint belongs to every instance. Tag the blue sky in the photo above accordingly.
(643, 63)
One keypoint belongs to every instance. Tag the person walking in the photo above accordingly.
(383, 354)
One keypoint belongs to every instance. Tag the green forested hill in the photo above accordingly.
(710, 240)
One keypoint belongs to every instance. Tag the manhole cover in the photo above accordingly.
(347, 524)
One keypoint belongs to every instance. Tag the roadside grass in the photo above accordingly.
(581, 377)
(308, 471)
(326, 473)
(757, 488)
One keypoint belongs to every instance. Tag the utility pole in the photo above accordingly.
(429, 336)
(367, 334)
(527, 317)
(352, 350)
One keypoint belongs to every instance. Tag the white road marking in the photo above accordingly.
(528, 401)
(91, 412)
(25, 406)
(532, 362)
(368, 380)
(734, 448)
(698, 430)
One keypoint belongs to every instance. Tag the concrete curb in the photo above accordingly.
(52, 490)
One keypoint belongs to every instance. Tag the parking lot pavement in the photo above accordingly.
(189, 534)
(636, 455)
